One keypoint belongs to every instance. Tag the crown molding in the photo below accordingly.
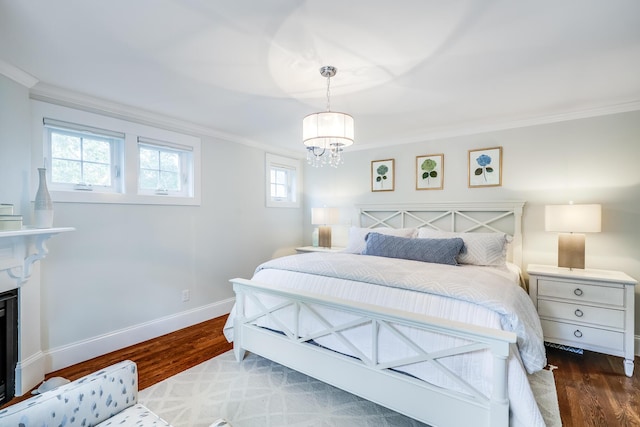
(56, 95)
(474, 128)
(17, 75)
(60, 96)
(565, 116)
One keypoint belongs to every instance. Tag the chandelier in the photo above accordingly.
(326, 134)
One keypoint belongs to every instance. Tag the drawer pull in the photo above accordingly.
(579, 292)
(578, 313)
(577, 333)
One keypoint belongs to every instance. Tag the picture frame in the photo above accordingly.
(485, 167)
(383, 175)
(430, 172)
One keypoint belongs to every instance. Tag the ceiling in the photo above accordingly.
(408, 70)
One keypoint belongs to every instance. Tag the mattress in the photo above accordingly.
(484, 296)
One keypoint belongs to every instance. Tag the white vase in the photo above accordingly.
(43, 207)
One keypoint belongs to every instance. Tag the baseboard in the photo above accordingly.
(29, 373)
(61, 357)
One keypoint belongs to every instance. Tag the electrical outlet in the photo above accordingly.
(185, 295)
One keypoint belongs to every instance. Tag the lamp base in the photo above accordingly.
(324, 236)
(571, 250)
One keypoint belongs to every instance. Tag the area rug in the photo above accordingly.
(262, 393)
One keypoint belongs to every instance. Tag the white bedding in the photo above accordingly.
(484, 296)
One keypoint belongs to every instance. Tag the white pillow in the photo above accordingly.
(357, 235)
(479, 248)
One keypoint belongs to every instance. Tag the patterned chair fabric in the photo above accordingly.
(106, 397)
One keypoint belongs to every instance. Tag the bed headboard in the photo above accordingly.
(503, 217)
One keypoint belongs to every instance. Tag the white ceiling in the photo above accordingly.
(408, 70)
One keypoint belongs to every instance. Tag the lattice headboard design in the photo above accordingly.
(503, 217)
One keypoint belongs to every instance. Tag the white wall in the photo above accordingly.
(15, 144)
(15, 164)
(118, 278)
(126, 265)
(592, 160)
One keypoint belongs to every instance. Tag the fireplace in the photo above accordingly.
(8, 344)
(22, 364)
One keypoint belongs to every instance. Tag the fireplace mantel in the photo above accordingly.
(19, 249)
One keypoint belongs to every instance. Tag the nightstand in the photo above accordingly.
(305, 249)
(588, 309)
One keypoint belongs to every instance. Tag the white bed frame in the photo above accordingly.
(367, 376)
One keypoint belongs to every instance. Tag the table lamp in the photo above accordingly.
(572, 221)
(323, 217)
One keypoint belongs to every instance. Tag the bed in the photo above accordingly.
(448, 342)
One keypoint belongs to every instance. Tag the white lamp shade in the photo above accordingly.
(323, 216)
(573, 218)
(328, 129)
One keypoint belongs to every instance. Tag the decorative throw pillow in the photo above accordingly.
(357, 235)
(479, 248)
(440, 251)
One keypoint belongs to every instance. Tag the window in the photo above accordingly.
(83, 158)
(165, 169)
(95, 158)
(283, 181)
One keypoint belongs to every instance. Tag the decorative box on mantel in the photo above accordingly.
(17, 256)
(10, 222)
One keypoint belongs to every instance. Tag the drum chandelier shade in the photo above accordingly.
(327, 129)
(326, 134)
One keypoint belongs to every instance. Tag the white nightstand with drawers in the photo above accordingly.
(588, 309)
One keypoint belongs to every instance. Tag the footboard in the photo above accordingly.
(365, 374)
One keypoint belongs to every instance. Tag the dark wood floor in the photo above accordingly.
(159, 358)
(594, 391)
(592, 388)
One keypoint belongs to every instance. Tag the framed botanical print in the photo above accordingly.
(430, 172)
(382, 175)
(485, 167)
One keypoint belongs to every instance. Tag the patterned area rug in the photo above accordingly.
(261, 393)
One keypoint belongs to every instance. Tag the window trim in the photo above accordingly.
(273, 161)
(42, 109)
